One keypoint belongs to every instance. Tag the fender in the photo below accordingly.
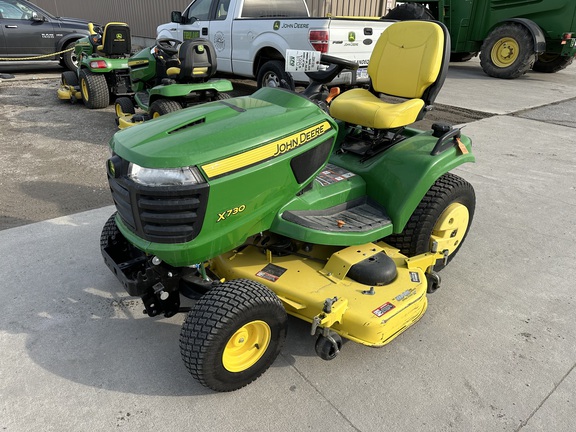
(72, 37)
(400, 177)
(535, 30)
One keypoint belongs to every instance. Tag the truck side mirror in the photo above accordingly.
(38, 18)
(176, 17)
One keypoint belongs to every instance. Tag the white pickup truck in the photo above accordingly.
(252, 36)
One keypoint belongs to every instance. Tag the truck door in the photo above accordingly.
(195, 20)
(221, 34)
(25, 31)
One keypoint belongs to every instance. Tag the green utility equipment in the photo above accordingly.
(511, 36)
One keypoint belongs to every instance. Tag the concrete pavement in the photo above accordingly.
(496, 350)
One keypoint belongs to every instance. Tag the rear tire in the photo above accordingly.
(161, 107)
(233, 334)
(551, 62)
(449, 195)
(94, 89)
(272, 74)
(459, 57)
(410, 11)
(508, 51)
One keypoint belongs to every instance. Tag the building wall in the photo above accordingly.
(144, 16)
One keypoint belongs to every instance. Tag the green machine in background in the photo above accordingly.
(512, 37)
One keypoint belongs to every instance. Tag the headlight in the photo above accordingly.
(165, 176)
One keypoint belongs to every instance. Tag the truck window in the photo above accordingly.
(222, 9)
(199, 9)
(274, 8)
(15, 10)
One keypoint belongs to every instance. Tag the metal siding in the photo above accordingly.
(143, 16)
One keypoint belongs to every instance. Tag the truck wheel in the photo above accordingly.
(508, 51)
(446, 211)
(70, 59)
(551, 62)
(459, 57)
(233, 334)
(410, 11)
(161, 107)
(272, 74)
(94, 89)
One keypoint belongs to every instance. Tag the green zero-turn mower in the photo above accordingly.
(103, 72)
(170, 76)
(264, 205)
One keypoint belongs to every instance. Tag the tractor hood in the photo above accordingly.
(207, 134)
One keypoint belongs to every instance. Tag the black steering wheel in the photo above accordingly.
(338, 61)
(168, 45)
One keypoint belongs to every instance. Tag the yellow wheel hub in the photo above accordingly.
(451, 227)
(84, 87)
(156, 114)
(119, 112)
(246, 346)
(505, 52)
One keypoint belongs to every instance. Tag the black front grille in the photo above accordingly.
(162, 214)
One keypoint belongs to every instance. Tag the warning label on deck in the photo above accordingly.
(333, 174)
(384, 309)
(271, 272)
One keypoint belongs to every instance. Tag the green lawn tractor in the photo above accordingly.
(103, 72)
(278, 203)
(171, 76)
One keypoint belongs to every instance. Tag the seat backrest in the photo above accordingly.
(116, 39)
(197, 60)
(410, 60)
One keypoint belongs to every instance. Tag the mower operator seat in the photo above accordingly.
(410, 61)
(197, 61)
(116, 40)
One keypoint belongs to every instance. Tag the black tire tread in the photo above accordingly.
(206, 326)
(164, 106)
(126, 105)
(415, 238)
(526, 57)
(409, 11)
(98, 92)
(110, 229)
(69, 78)
(552, 66)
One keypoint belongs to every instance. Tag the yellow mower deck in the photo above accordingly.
(370, 315)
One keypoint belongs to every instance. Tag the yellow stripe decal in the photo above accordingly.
(137, 62)
(266, 152)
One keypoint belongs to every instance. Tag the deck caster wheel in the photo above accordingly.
(328, 347)
(433, 280)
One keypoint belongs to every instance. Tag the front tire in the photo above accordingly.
(508, 52)
(272, 74)
(124, 107)
(233, 334)
(161, 107)
(552, 62)
(94, 89)
(445, 212)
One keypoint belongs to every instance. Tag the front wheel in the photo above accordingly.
(444, 214)
(94, 89)
(233, 334)
(508, 51)
(272, 74)
(552, 62)
(161, 107)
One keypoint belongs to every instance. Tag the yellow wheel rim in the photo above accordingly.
(246, 346)
(119, 112)
(156, 114)
(505, 52)
(84, 89)
(451, 227)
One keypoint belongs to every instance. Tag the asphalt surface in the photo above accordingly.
(496, 350)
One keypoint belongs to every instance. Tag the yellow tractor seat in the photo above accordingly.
(409, 61)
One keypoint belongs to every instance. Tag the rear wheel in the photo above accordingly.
(552, 62)
(233, 334)
(410, 11)
(445, 213)
(459, 57)
(161, 107)
(508, 51)
(272, 74)
(94, 89)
